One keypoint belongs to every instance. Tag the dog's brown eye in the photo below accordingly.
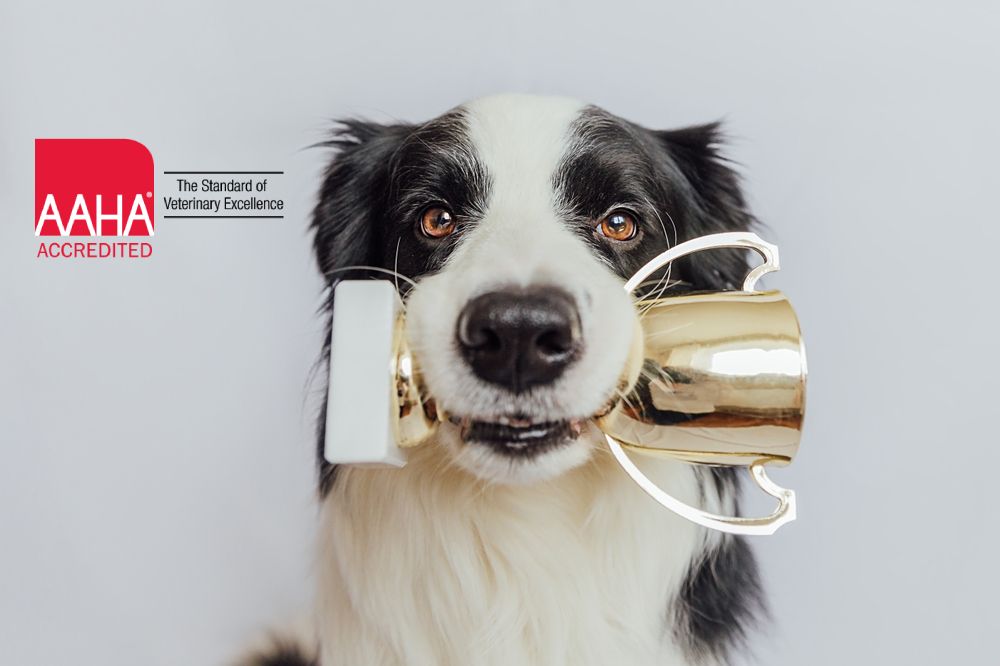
(619, 225)
(437, 222)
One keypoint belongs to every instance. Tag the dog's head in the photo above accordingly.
(513, 222)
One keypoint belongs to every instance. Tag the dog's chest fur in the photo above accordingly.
(426, 565)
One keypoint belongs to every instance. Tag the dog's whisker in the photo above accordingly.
(625, 397)
(659, 377)
(668, 331)
(652, 301)
(645, 309)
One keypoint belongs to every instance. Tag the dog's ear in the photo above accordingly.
(347, 223)
(352, 198)
(717, 203)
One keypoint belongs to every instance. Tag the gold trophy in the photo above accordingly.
(721, 382)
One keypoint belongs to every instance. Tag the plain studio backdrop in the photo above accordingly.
(156, 451)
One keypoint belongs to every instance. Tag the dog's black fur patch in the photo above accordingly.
(678, 184)
(370, 202)
(282, 654)
(720, 600)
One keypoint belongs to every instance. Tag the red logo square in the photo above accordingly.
(93, 187)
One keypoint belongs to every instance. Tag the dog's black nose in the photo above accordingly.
(520, 339)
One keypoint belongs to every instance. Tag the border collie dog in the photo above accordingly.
(513, 537)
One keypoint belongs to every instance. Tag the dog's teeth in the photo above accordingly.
(576, 427)
(519, 423)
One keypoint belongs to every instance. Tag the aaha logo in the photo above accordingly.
(93, 188)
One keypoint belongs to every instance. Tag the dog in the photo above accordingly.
(509, 225)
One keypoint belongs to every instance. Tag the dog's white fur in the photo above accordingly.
(466, 556)
(429, 566)
(521, 242)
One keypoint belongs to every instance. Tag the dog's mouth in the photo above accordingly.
(517, 436)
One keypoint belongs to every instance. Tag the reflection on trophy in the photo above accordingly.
(722, 380)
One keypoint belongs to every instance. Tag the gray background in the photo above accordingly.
(155, 417)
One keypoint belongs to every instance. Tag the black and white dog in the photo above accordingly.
(514, 538)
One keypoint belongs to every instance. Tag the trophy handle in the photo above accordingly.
(737, 239)
(785, 513)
